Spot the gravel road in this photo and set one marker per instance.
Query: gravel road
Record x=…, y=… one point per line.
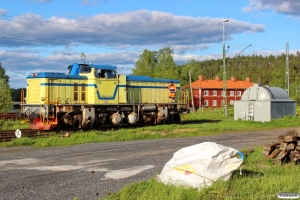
x=91, y=171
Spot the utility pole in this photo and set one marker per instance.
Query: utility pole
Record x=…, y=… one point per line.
x=287, y=70
x=192, y=96
x=224, y=72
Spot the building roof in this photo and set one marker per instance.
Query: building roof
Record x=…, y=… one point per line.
x=218, y=84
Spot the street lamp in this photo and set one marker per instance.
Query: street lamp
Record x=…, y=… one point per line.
x=224, y=71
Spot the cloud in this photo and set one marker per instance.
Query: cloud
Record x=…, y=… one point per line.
x=34, y=43
x=140, y=27
x=3, y=12
x=89, y=2
x=288, y=7
x=37, y=1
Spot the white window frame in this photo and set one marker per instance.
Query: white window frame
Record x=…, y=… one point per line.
x=206, y=93
x=239, y=93
x=231, y=93
x=222, y=102
x=214, y=93
x=231, y=102
x=214, y=103
x=206, y=103
x=222, y=93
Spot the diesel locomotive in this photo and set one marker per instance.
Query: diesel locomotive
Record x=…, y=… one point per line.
x=92, y=96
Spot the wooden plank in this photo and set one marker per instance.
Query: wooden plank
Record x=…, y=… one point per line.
x=296, y=132
x=281, y=155
x=265, y=152
x=290, y=147
x=295, y=153
x=289, y=138
x=274, y=153
x=283, y=146
x=271, y=146
x=294, y=158
x=281, y=138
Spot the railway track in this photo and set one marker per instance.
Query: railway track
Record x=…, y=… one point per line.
x=8, y=135
x=11, y=116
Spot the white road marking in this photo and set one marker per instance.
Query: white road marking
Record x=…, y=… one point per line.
x=90, y=166
x=24, y=161
x=125, y=173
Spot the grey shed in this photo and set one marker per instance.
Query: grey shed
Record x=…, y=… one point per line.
x=262, y=103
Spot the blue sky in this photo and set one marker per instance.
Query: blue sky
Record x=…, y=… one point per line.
x=49, y=35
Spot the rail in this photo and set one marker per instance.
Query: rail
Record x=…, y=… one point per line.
x=11, y=116
x=8, y=135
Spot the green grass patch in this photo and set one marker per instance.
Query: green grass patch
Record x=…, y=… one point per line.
x=13, y=125
x=226, y=125
x=260, y=179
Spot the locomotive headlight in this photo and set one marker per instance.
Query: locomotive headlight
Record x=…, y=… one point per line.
x=43, y=98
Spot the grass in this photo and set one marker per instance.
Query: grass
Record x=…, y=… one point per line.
x=227, y=125
x=260, y=179
x=13, y=125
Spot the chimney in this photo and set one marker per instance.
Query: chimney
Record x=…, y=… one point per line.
x=218, y=78
x=233, y=79
x=201, y=78
x=248, y=79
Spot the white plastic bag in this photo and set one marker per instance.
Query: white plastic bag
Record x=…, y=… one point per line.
x=200, y=165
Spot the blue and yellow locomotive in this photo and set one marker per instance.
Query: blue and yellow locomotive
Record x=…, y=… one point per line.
x=91, y=96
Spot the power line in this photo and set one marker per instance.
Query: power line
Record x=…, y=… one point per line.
x=61, y=43
x=84, y=27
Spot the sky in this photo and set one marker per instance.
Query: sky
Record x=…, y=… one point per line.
x=49, y=35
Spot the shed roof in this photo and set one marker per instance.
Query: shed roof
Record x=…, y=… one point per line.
x=264, y=93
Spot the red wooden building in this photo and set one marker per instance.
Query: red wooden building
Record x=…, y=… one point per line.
x=209, y=93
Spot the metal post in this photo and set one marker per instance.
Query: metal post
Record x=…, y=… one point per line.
x=224, y=82
x=192, y=92
x=224, y=72
x=287, y=70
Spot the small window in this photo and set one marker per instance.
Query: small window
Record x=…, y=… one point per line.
x=75, y=92
x=231, y=93
x=83, y=92
x=206, y=93
x=214, y=93
x=222, y=102
x=231, y=102
x=222, y=93
x=206, y=103
x=214, y=102
x=239, y=93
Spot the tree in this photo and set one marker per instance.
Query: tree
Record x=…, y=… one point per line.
x=166, y=67
x=157, y=64
x=145, y=66
x=5, y=92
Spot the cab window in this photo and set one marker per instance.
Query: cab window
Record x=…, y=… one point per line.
x=85, y=69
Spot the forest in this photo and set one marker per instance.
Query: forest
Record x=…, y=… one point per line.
x=266, y=70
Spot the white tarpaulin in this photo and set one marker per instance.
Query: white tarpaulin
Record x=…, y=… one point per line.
x=200, y=165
